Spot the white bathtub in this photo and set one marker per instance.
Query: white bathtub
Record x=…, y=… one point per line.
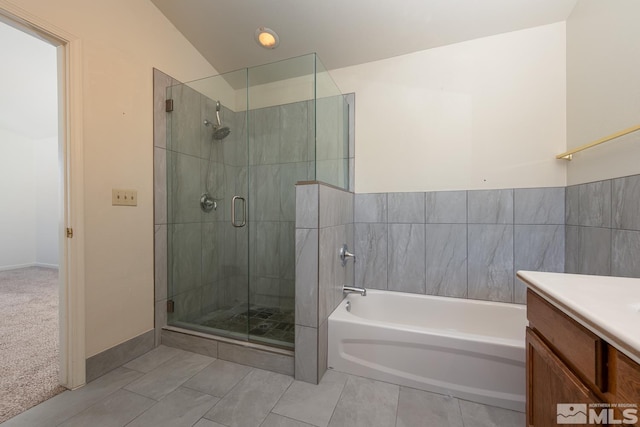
x=474, y=350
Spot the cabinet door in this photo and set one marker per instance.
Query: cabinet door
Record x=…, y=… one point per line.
x=549, y=383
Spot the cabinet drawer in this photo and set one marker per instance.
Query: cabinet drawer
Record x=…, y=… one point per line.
x=577, y=346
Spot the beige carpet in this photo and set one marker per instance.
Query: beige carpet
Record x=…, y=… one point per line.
x=28, y=339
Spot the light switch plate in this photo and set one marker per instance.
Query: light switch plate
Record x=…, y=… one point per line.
x=124, y=197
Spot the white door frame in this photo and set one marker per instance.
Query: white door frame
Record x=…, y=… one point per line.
x=72, y=303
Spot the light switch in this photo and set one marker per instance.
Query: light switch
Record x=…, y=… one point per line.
x=124, y=197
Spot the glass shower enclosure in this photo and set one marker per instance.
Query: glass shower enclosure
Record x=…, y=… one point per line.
x=237, y=143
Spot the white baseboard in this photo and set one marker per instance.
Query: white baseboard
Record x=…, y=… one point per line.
x=32, y=264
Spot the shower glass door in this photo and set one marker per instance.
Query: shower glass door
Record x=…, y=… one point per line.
x=207, y=181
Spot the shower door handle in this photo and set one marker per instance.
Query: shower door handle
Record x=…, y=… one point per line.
x=233, y=212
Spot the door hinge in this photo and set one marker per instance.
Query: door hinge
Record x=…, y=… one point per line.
x=168, y=105
x=170, y=306
x=69, y=233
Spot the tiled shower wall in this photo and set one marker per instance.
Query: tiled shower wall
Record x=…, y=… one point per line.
x=603, y=227
x=466, y=244
x=324, y=222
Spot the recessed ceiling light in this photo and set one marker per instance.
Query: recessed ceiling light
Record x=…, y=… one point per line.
x=267, y=38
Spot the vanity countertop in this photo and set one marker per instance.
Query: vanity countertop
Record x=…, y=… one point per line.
x=607, y=306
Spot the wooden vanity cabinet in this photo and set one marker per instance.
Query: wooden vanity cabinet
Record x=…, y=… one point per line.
x=567, y=363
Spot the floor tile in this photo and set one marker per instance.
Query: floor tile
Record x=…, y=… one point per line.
x=207, y=423
x=114, y=411
x=274, y=420
x=478, y=415
x=249, y=403
x=151, y=360
x=170, y=375
x=218, y=378
x=63, y=406
x=182, y=407
x=417, y=408
x=311, y=403
x=366, y=403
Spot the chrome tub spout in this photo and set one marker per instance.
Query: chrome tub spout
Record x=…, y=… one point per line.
x=352, y=289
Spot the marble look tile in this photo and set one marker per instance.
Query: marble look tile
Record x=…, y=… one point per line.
x=477, y=415
x=407, y=208
x=626, y=203
x=446, y=259
x=290, y=174
x=306, y=282
x=185, y=247
x=572, y=205
x=331, y=274
x=249, y=403
x=188, y=305
x=329, y=172
x=236, y=184
x=490, y=207
x=371, y=255
x=181, y=408
x=185, y=188
x=406, y=269
x=203, y=346
x=313, y=404
x=420, y=408
x=218, y=378
x=490, y=263
x=293, y=132
x=154, y=358
x=236, y=251
x=160, y=83
x=328, y=111
x=184, y=121
x=212, y=176
x=323, y=348
x=370, y=207
x=336, y=207
x=274, y=362
x=624, y=253
x=595, y=204
x=118, y=355
x=161, y=381
x=352, y=174
x=264, y=239
x=446, y=207
x=537, y=248
x=366, y=403
x=160, y=320
x=588, y=250
x=213, y=240
x=116, y=410
x=539, y=205
x=306, y=355
x=307, y=208
x=203, y=422
x=264, y=193
x=264, y=136
x=287, y=250
x=159, y=185
x=275, y=420
x=65, y=405
x=160, y=262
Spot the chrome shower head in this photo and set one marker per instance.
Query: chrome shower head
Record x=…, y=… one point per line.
x=219, y=132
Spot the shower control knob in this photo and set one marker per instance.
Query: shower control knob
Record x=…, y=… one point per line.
x=208, y=203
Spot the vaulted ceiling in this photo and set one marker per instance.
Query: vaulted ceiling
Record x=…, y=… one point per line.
x=347, y=32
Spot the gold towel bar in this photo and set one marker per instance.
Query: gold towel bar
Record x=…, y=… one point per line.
x=568, y=155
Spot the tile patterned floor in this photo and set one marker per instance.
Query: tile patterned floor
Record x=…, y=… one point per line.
x=174, y=388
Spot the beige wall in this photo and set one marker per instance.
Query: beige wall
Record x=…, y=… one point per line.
x=603, y=87
x=122, y=41
x=487, y=113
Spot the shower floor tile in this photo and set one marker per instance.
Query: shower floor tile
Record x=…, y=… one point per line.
x=272, y=323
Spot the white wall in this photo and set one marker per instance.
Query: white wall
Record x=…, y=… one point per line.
x=17, y=201
x=122, y=41
x=487, y=113
x=47, y=196
x=603, y=87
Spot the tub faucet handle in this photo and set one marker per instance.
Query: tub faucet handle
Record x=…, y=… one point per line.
x=344, y=255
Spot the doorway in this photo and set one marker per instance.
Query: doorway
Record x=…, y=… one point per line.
x=62, y=171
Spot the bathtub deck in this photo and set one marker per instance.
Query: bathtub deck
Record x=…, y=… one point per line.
x=213, y=393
